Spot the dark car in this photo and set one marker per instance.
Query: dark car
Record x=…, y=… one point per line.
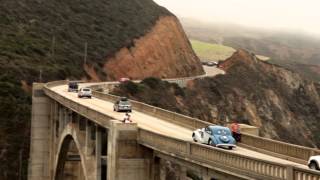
x=73, y=87
x=203, y=62
x=122, y=105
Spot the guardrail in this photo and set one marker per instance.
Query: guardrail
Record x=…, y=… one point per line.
x=289, y=151
x=228, y=160
x=172, y=117
x=96, y=116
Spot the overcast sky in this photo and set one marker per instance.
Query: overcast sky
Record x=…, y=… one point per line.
x=297, y=15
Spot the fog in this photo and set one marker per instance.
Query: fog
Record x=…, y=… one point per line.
x=301, y=16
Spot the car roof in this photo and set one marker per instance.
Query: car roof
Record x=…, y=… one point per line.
x=123, y=99
x=215, y=127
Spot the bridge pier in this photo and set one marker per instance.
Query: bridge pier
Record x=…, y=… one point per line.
x=40, y=125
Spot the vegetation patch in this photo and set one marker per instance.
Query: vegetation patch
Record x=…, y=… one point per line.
x=210, y=51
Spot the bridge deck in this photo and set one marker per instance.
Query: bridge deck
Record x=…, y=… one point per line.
x=156, y=125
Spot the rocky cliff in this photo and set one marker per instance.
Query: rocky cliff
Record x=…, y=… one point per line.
x=163, y=52
x=283, y=104
x=45, y=40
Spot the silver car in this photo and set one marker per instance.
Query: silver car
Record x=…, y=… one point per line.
x=85, y=92
x=122, y=105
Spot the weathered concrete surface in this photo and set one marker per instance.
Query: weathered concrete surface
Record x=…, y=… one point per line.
x=40, y=138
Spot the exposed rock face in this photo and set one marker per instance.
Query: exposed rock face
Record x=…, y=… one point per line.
x=283, y=104
x=163, y=52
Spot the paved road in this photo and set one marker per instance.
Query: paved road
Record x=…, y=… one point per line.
x=212, y=71
x=154, y=124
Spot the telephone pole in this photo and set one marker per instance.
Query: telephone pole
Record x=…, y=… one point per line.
x=53, y=44
x=85, y=52
x=40, y=75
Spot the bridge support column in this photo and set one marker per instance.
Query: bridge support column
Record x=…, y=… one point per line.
x=98, y=152
x=89, y=142
x=163, y=172
x=183, y=173
x=112, y=152
x=40, y=136
x=126, y=158
x=60, y=119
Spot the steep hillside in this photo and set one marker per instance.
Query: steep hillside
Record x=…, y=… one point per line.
x=292, y=50
x=283, y=104
x=45, y=40
x=163, y=52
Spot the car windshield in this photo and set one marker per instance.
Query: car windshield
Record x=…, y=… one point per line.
x=124, y=103
x=86, y=89
x=73, y=84
x=223, y=132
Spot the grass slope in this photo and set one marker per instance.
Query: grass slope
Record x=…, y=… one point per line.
x=209, y=51
x=214, y=52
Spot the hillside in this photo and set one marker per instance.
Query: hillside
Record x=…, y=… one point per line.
x=50, y=36
x=215, y=52
x=283, y=104
x=292, y=50
x=211, y=52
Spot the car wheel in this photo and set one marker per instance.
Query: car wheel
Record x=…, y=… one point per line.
x=89, y=97
x=313, y=165
x=194, y=137
x=230, y=147
x=130, y=110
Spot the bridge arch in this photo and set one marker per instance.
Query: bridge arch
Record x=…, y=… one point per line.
x=69, y=141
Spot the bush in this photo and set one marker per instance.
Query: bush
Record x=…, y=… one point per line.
x=152, y=82
x=130, y=87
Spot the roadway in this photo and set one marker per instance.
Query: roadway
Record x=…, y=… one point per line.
x=151, y=123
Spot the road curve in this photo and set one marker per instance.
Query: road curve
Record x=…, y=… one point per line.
x=151, y=123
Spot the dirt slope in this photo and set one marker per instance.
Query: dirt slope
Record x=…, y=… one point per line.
x=163, y=52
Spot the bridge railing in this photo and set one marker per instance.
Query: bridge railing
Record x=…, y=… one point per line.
x=96, y=116
x=172, y=117
x=228, y=160
x=288, y=151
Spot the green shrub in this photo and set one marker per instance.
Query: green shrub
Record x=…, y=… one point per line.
x=152, y=82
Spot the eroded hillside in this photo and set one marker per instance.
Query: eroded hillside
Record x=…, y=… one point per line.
x=45, y=40
x=163, y=52
x=283, y=104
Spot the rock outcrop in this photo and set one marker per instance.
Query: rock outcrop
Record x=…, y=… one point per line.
x=283, y=104
x=163, y=52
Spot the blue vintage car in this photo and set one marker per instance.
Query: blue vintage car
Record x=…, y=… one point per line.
x=218, y=136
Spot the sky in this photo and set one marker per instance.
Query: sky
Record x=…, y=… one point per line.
x=298, y=15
